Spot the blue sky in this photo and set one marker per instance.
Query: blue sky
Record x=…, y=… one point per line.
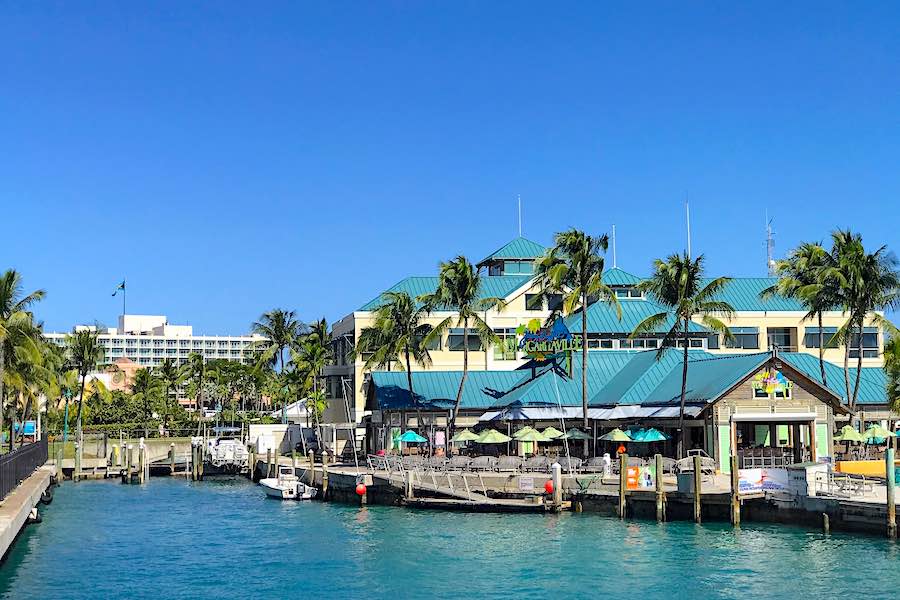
x=228, y=160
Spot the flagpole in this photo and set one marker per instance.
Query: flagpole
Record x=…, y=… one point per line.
x=123, y=301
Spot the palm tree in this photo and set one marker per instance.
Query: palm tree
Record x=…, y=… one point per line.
x=865, y=283
x=195, y=369
x=574, y=268
x=801, y=276
x=281, y=331
x=170, y=376
x=459, y=290
x=892, y=373
x=14, y=314
x=677, y=283
x=84, y=354
x=145, y=390
x=399, y=330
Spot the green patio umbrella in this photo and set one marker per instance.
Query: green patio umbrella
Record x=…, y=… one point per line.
x=877, y=432
x=411, y=437
x=524, y=431
x=466, y=435
x=532, y=436
x=552, y=432
x=575, y=434
x=849, y=434
x=616, y=435
x=492, y=436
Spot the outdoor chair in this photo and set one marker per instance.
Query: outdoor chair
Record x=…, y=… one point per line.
x=458, y=463
x=668, y=465
x=573, y=463
x=483, y=463
x=435, y=462
x=595, y=464
x=537, y=463
x=509, y=463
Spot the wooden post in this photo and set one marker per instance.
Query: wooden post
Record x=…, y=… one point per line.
x=812, y=442
x=826, y=524
x=142, y=457
x=556, y=477
x=172, y=458
x=735, y=492
x=312, y=467
x=59, y=465
x=660, y=490
x=324, y=475
x=410, y=492
x=251, y=464
x=268, y=461
x=294, y=462
x=891, y=502
x=193, y=462
x=698, y=486
x=128, y=458
x=201, y=456
x=76, y=474
x=623, y=477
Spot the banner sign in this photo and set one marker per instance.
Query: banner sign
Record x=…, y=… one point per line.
x=759, y=480
x=543, y=342
x=771, y=382
x=640, y=478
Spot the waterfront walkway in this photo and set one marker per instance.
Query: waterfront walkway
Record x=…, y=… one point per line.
x=17, y=506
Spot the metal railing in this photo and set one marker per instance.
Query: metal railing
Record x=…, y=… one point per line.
x=17, y=465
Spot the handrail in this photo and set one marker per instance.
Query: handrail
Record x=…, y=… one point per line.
x=17, y=465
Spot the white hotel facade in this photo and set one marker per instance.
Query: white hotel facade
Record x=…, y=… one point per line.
x=147, y=340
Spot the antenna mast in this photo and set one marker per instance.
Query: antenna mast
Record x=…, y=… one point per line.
x=519, y=196
x=614, y=245
x=770, y=246
x=687, y=211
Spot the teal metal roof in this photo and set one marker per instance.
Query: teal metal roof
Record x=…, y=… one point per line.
x=617, y=276
x=602, y=318
x=742, y=293
x=517, y=248
x=708, y=378
x=499, y=286
x=872, y=383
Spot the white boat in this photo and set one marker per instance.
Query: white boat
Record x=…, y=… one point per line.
x=287, y=486
x=226, y=455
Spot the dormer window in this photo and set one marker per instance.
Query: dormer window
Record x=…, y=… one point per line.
x=628, y=293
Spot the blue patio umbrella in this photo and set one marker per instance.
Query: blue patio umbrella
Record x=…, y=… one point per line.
x=648, y=435
x=411, y=437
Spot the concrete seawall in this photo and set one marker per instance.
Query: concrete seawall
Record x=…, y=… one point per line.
x=16, y=507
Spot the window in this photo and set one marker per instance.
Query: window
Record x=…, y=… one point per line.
x=455, y=340
x=534, y=302
x=518, y=267
x=554, y=302
x=811, y=337
x=434, y=344
x=779, y=337
x=781, y=395
x=628, y=293
x=744, y=337
x=869, y=341
x=505, y=349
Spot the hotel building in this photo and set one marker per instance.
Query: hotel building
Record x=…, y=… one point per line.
x=760, y=326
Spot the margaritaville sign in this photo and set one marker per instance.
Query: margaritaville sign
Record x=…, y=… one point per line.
x=543, y=342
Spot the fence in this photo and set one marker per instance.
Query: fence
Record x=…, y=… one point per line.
x=17, y=465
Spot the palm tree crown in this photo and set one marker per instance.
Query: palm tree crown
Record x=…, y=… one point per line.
x=84, y=354
x=459, y=290
x=574, y=268
x=677, y=283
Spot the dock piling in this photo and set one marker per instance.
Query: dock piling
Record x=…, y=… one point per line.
x=556, y=477
x=891, y=501
x=698, y=487
x=76, y=474
x=268, y=461
x=59, y=465
x=324, y=475
x=312, y=463
x=129, y=457
x=172, y=458
x=660, y=490
x=735, y=492
x=826, y=523
x=623, y=483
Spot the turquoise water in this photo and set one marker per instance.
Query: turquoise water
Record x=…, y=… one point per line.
x=225, y=539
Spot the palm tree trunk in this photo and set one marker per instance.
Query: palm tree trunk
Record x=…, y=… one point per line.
x=412, y=394
x=684, y=373
x=847, y=369
x=584, y=368
x=859, y=364
x=2, y=372
x=462, y=381
x=822, y=352
x=80, y=407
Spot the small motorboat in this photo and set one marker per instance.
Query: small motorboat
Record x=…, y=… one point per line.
x=287, y=486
